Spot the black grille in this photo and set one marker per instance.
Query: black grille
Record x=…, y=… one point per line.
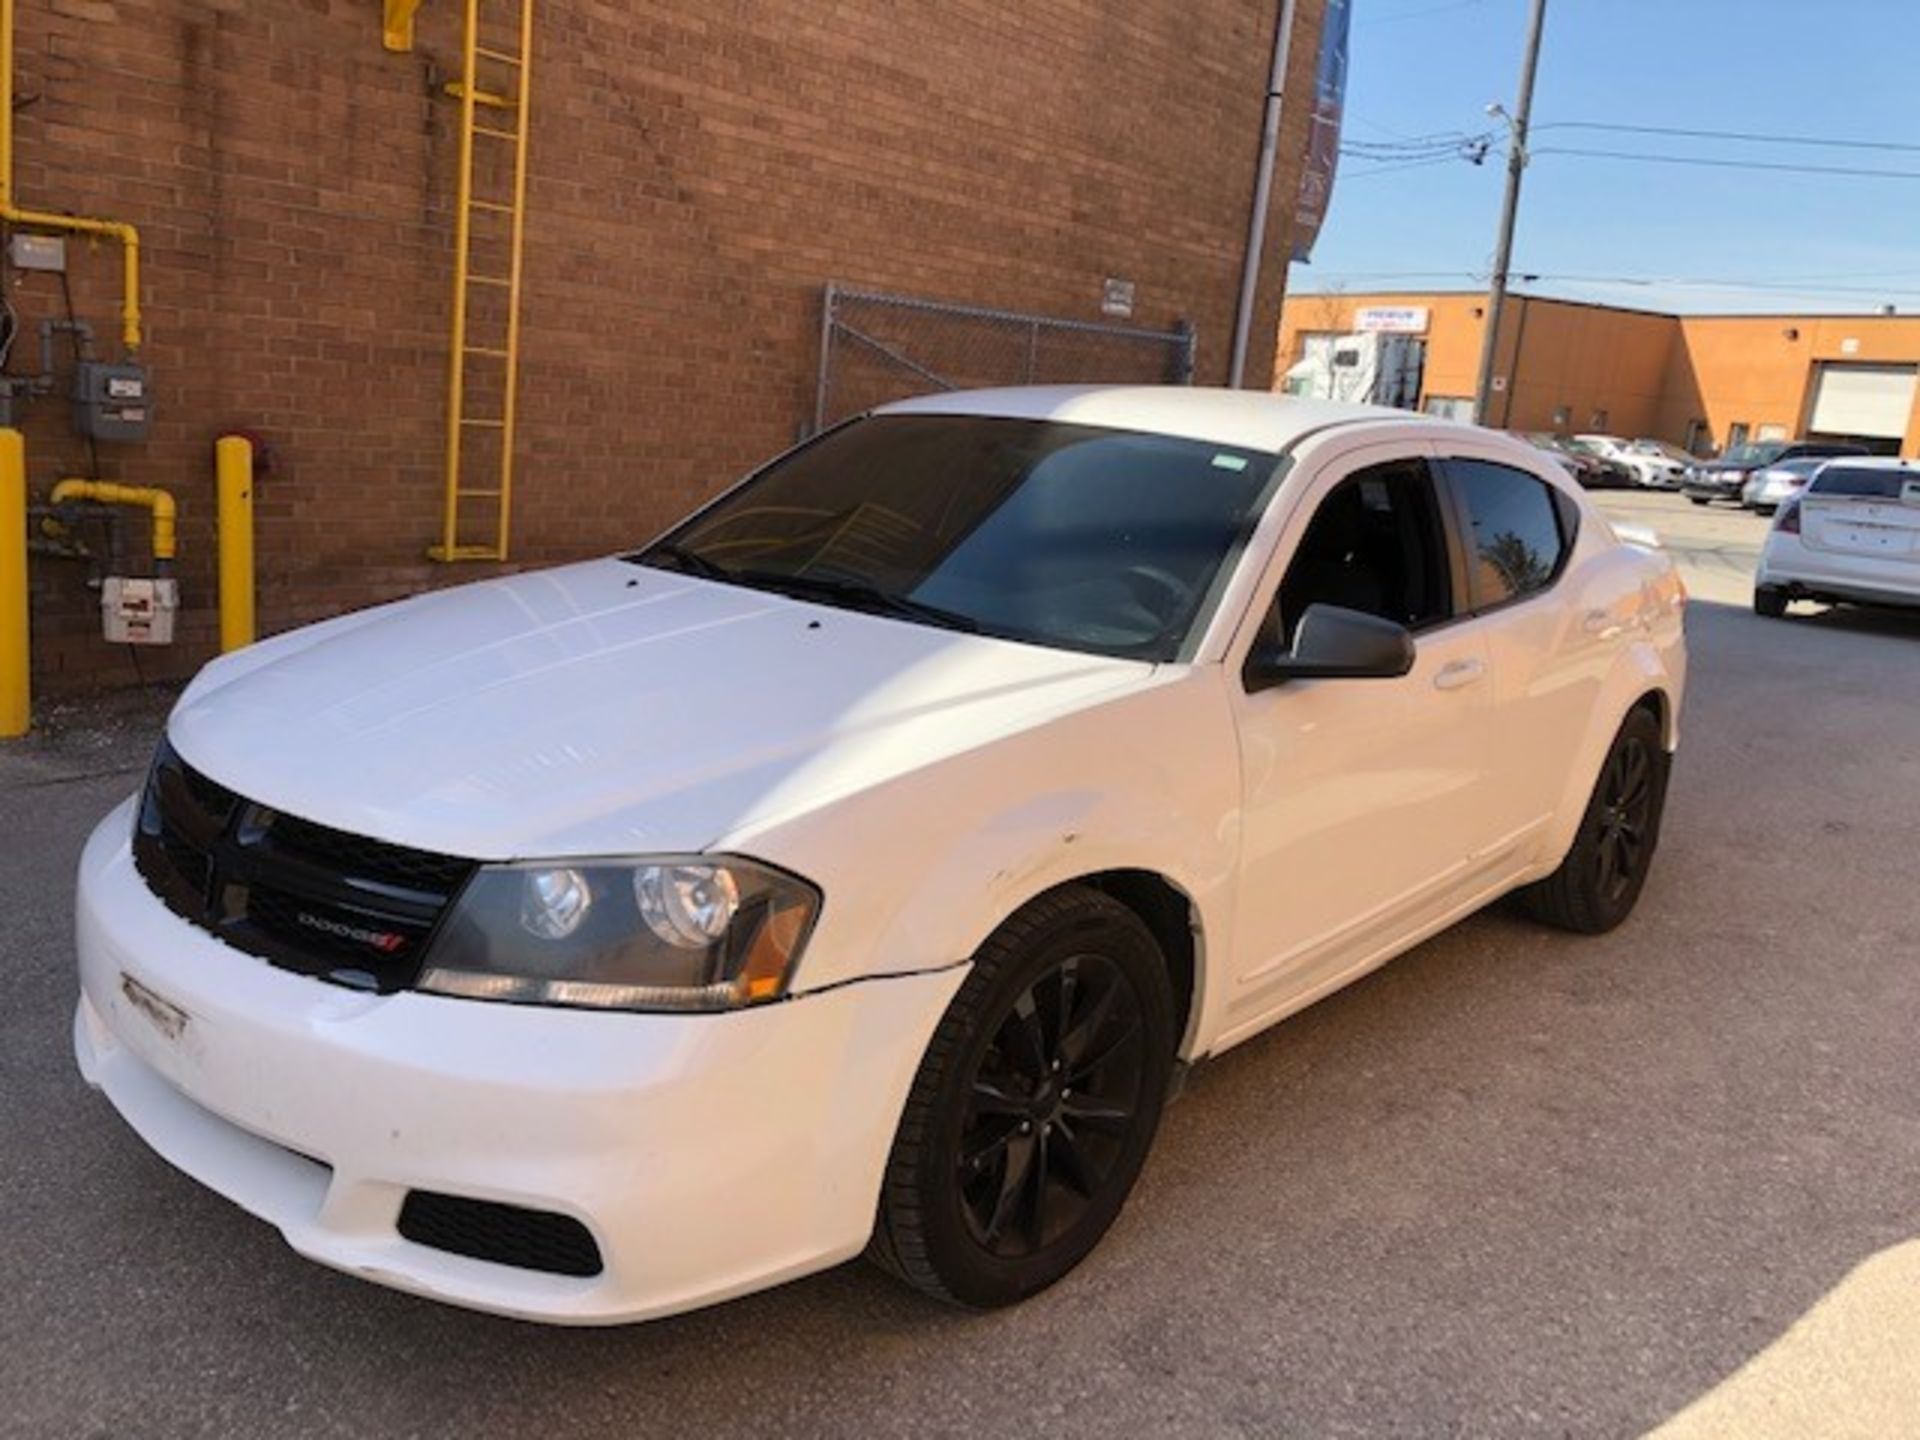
x=300, y=895
x=505, y=1234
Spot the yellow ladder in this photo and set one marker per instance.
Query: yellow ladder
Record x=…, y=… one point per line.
x=495, y=81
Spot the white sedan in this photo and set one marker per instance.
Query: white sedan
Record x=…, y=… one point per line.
x=853, y=868
x=1651, y=467
x=1852, y=536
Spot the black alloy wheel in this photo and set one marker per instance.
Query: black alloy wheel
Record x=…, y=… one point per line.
x=1599, y=881
x=1625, y=835
x=1050, y=1106
x=1034, y=1108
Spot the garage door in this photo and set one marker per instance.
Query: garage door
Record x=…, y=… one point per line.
x=1863, y=400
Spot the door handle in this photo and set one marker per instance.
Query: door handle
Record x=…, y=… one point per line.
x=1459, y=674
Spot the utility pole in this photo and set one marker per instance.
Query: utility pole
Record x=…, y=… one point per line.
x=1509, y=210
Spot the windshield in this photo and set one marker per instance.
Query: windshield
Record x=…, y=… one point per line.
x=1751, y=455
x=1064, y=535
x=1862, y=482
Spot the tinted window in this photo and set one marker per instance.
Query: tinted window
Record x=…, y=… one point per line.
x=1065, y=535
x=1375, y=545
x=1516, y=540
x=1765, y=453
x=1862, y=481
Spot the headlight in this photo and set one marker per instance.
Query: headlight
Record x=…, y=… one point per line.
x=692, y=933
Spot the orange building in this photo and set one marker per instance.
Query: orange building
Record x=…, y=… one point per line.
x=1701, y=381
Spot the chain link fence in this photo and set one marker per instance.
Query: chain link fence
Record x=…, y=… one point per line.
x=875, y=348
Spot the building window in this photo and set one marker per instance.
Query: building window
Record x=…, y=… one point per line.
x=1736, y=434
x=1699, y=438
x=1451, y=407
x=1599, y=421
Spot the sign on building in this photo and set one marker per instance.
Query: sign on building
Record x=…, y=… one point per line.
x=1392, y=319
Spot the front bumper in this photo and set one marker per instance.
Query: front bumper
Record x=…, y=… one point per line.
x=707, y=1155
x=1712, y=488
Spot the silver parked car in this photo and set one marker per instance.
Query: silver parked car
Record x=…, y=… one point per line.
x=1767, y=489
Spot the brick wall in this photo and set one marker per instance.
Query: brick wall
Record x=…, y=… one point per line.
x=700, y=168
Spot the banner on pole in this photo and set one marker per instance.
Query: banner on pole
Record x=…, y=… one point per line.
x=1323, y=130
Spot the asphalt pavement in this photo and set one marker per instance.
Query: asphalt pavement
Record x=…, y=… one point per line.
x=1516, y=1183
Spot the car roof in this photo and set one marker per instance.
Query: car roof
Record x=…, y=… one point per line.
x=1868, y=462
x=1250, y=419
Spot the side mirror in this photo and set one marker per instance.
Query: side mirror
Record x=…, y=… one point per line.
x=1332, y=643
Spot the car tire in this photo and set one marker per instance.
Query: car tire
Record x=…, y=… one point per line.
x=1003, y=1175
x=1600, y=880
x=1769, y=601
x=1699, y=499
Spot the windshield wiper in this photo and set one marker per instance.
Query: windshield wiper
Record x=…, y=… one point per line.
x=855, y=595
x=691, y=561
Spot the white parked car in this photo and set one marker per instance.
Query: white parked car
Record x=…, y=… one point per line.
x=1650, y=467
x=1852, y=536
x=853, y=868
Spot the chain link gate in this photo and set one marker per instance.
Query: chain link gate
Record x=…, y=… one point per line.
x=875, y=348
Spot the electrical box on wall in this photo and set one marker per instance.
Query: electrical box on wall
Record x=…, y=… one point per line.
x=110, y=401
x=138, y=612
x=38, y=252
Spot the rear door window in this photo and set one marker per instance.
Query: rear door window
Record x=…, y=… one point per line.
x=1517, y=534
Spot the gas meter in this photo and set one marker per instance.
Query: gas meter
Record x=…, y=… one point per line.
x=110, y=400
x=137, y=611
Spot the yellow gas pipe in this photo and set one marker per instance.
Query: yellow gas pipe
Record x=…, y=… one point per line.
x=128, y=237
x=16, y=691
x=151, y=497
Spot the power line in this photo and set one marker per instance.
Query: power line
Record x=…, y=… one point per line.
x=1742, y=136
x=1775, y=284
x=1397, y=148
x=1721, y=284
x=1394, y=169
x=1713, y=163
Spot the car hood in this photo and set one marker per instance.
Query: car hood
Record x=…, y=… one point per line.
x=606, y=708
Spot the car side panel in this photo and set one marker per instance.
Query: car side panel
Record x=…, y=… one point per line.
x=918, y=871
x=1642, y=652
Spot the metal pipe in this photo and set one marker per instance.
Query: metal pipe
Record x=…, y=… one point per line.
x=128, y=237
x=233, y=477
x=16, y=672
x=1509, y=214
x=1262, y=196
x=158, y=502
x=823, y=382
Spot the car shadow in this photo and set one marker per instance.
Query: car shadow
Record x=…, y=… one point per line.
x=1859, y=619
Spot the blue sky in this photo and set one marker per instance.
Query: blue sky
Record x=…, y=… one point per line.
x=1839, y=69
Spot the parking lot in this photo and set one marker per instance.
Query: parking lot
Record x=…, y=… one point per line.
x=1515, y=1183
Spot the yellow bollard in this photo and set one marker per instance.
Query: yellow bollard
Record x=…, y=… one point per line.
x=16, y=689
x=233, y=471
